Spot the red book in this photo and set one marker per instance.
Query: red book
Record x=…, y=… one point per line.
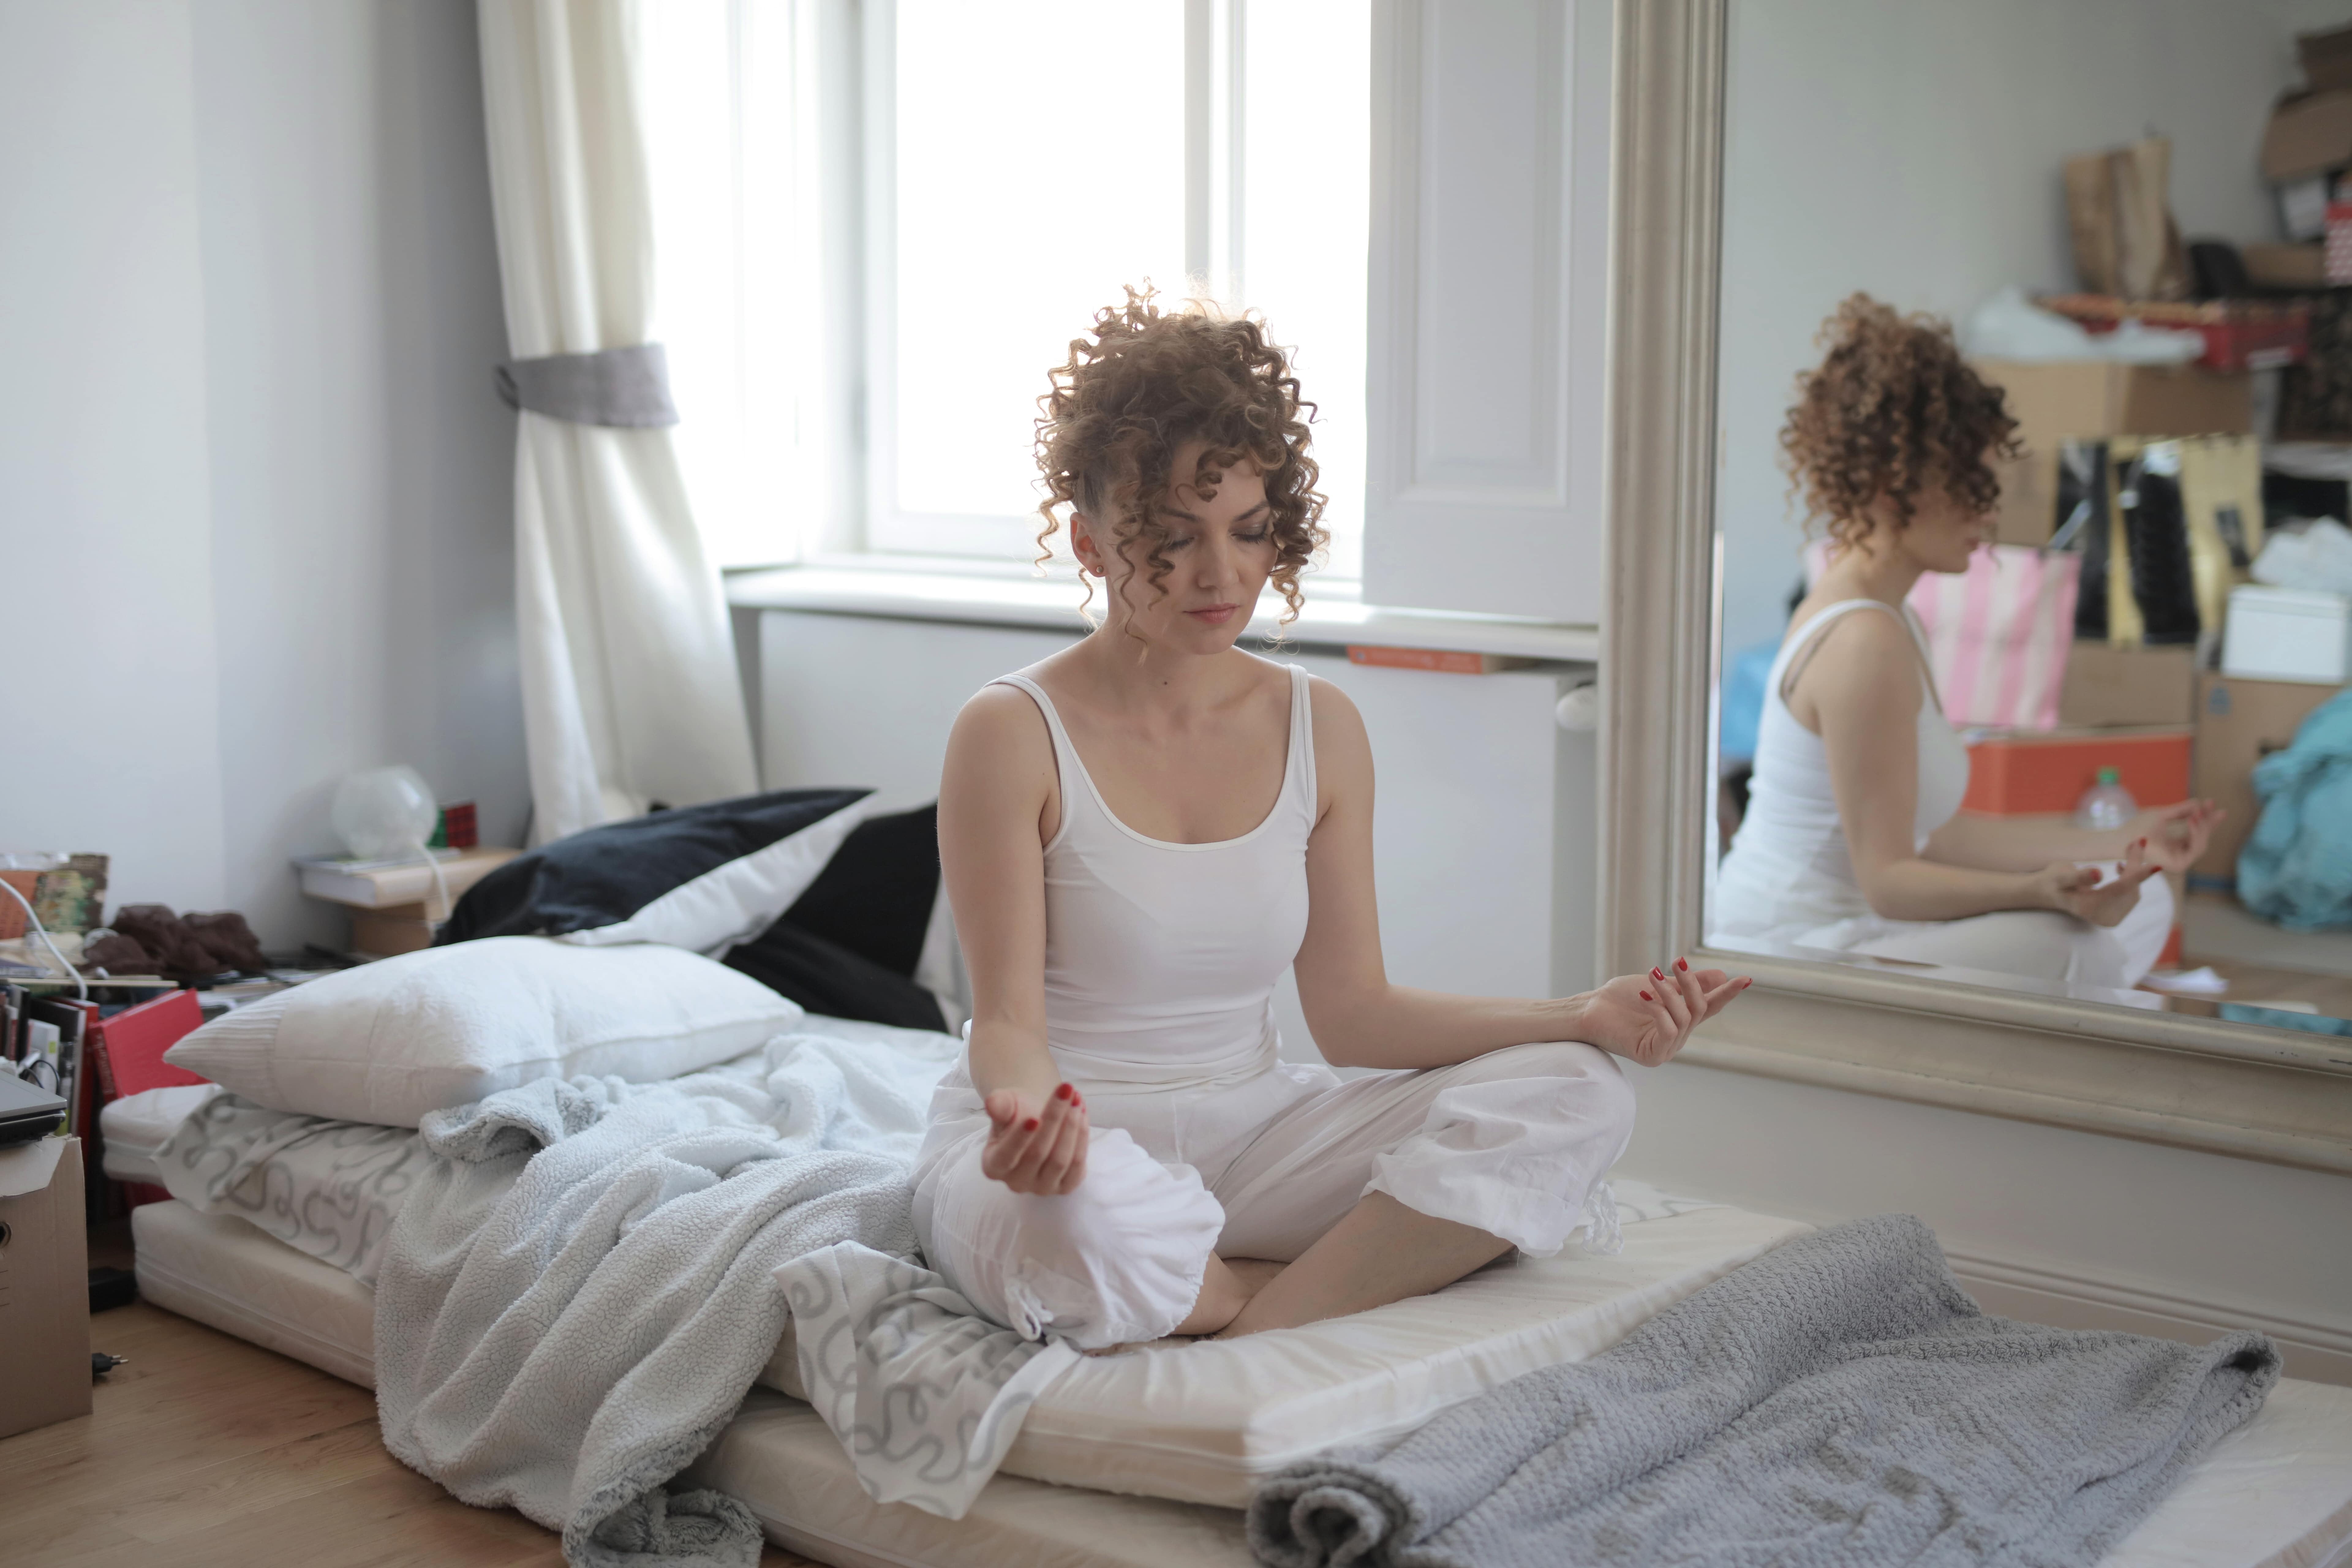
x=137, y=1037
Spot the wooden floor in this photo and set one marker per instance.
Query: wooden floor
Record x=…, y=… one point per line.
x=207, y=1452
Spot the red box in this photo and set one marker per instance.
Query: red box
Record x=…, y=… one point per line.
x=2240, y=335
x=2030, y=773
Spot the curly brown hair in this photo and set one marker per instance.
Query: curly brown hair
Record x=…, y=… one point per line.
x=1893, y=409
x=1145, y=384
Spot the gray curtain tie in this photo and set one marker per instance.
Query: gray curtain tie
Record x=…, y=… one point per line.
x=614, y=386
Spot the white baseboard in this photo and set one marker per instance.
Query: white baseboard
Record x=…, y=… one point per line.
x=2319, y=1353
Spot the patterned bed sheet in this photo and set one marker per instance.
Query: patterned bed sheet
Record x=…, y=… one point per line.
x=328, y=1188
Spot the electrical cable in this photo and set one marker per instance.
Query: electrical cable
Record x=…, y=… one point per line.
x=81, y=986
x=440, y=883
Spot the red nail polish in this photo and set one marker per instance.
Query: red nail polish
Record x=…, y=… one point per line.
x=1029, y=1125
x=1657, y=973
x=1062, y=1091
x=1682, y=964
x=1647, y=997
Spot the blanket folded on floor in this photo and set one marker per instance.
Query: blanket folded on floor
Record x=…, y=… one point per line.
x=582, y=1288
x=1839, y=1401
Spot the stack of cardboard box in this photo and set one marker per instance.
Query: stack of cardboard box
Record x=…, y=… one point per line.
x=2146, y=711
x=2240, y=722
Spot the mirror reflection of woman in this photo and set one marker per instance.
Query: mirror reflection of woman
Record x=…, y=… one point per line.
x=1140, y=835
x=1853, y=838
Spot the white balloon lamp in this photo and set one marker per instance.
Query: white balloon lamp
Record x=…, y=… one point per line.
x=383, y=812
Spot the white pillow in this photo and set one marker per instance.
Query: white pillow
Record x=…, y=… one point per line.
x=389, y=1041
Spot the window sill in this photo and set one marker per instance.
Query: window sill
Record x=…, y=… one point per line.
x=1335, y=614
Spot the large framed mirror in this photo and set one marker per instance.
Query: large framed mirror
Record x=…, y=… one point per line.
x=1947, y=902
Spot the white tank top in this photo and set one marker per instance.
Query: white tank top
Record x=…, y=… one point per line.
x=1788, y=869
x=1161, y=959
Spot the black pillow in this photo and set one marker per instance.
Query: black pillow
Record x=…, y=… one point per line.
x=828, y=977
x=802, y=890
x=699, y=877
x=851, y=944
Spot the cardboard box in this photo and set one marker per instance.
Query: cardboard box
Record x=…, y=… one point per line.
x=2326, y=58
x=2287, y=634
x=2286, y=265
x=2123, y=685
x=2061, y=398
x=2309, y=133
x=44, y=1286
x=403, y=928
x=2024, y=772
x=2240, y=722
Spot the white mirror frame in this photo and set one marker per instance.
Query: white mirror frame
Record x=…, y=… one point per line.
x=2260, y=1094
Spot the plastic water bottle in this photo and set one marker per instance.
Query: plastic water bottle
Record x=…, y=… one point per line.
x=2106, y=805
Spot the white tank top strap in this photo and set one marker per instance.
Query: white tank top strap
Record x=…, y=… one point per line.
x=1297, y=797
x=1067, y=766
x=1811, y=632
x=1298, y=786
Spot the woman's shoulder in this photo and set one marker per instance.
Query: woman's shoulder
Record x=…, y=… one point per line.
x=1001, y=718
x=1864, y=656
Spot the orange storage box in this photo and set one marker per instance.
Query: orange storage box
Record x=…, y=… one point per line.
x=2024, y=772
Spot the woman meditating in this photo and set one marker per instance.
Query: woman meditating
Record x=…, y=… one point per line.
x=1139, y=834
x=1853, y=838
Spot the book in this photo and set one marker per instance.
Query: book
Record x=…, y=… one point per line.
x=381, y=884
x=137, y=1037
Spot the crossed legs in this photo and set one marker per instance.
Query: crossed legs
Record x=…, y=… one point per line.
x=1364, y=1194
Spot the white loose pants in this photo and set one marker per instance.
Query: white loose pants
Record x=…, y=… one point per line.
x=2039, y=944
x=1512, y=1143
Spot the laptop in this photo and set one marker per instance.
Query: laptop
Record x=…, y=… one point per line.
x=25, y=1112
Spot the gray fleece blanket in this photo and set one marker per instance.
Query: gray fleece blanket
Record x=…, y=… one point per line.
x=582, y=1286
x=1839, y=1401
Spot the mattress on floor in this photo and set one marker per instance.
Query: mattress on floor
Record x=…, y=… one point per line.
x=2276, y=1493
x=219, y=1269
x=134, y=1127
x=1191, y=1422
x=1201, y=1422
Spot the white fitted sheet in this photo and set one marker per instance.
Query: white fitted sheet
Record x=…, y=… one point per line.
x=1201, y=1422
x=2276, y=1493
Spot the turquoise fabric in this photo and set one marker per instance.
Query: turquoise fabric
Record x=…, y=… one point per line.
x=1743, y=699
x=2297, y=868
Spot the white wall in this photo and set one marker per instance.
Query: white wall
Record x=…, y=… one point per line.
x=1912, y=148
x=113, y=740
x=259, y=483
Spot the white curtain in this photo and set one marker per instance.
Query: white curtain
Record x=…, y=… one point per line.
x=631, y=694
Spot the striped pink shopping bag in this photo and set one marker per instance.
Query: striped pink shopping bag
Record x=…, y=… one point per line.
x=1997, y=634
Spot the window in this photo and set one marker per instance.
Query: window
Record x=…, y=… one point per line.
x=878, y=225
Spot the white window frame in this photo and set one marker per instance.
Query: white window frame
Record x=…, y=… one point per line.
x=1212, y=238
x=1425, y=543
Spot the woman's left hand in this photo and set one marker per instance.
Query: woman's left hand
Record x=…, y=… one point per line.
x=1648, y=1017
x=2176, y=835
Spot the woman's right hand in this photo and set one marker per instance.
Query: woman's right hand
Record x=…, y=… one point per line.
x=1034, y=1147
x=2088, y=894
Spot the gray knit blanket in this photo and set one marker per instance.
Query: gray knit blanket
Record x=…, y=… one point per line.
x=1839, y=1401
